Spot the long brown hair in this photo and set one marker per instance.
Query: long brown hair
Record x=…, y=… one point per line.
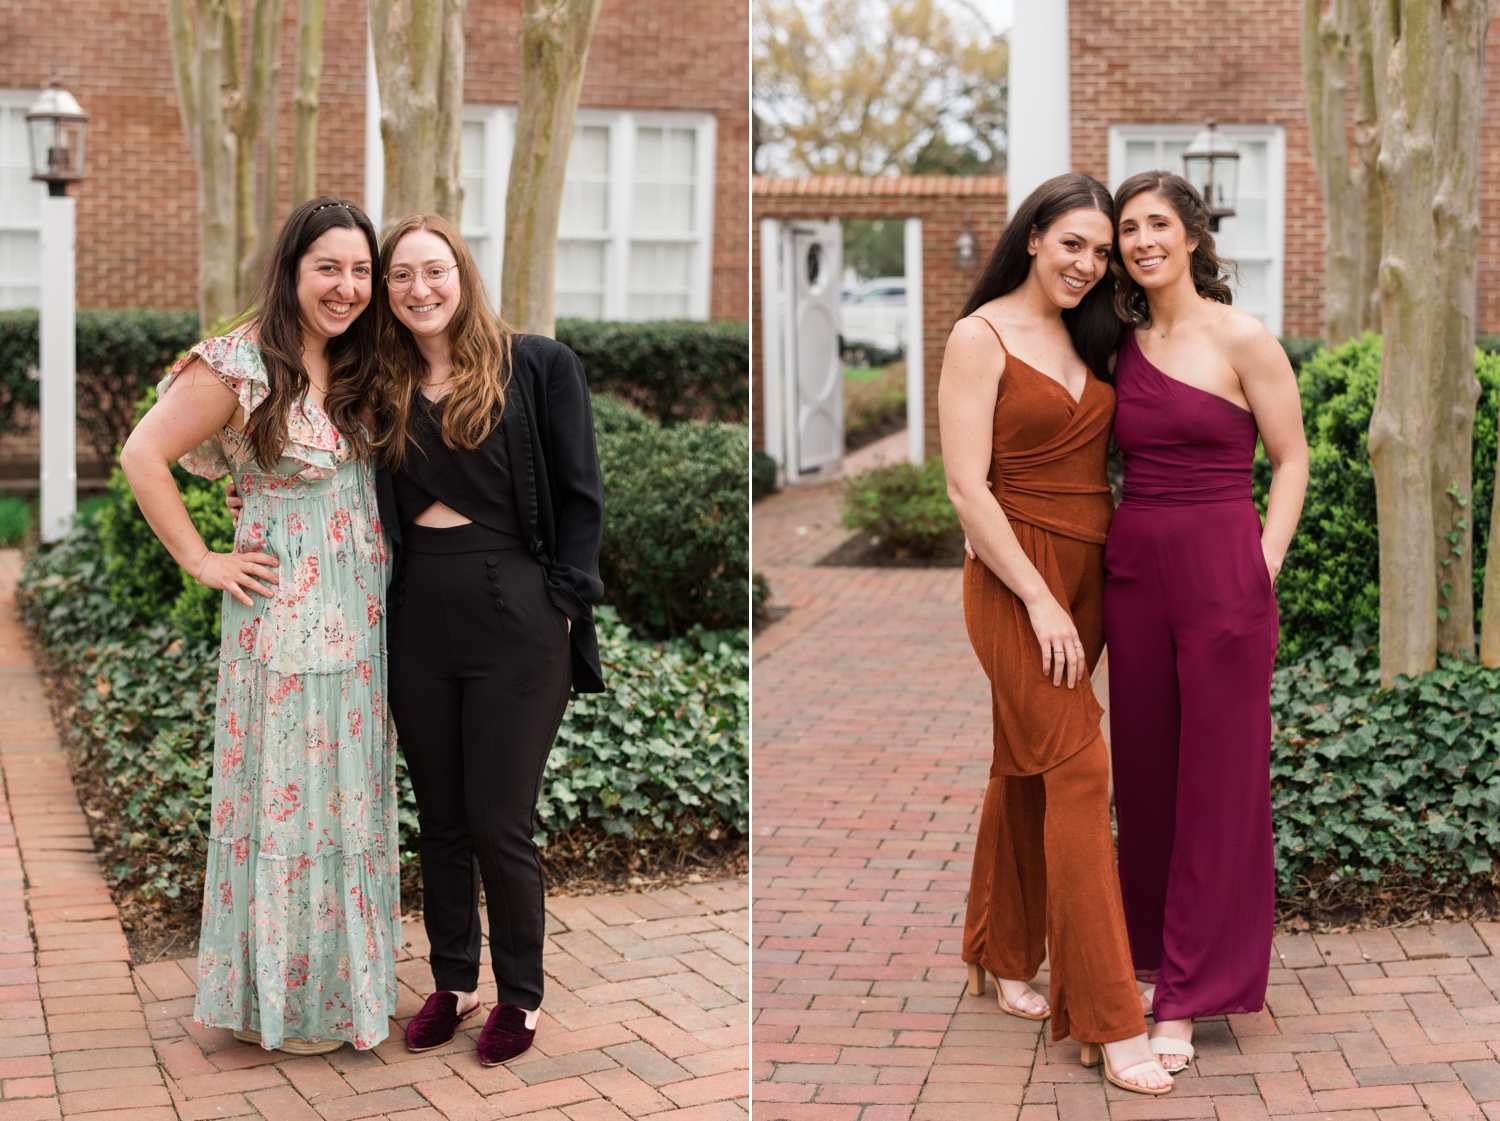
x=1091, y=324
x=1210, y=271
x=478, y=342
x=276, y=326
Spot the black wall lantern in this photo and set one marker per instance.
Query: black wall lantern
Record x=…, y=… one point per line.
x=1212, y=164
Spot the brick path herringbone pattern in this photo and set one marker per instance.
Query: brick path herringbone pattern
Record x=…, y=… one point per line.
x=871, y=753
x=645, y=1011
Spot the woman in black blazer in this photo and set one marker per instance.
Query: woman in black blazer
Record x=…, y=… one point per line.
x=492, y=497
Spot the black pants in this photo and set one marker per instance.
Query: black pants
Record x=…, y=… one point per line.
x=479, y=678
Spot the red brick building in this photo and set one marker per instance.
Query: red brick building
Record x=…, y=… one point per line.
x=1142, y=79
x=655, y=223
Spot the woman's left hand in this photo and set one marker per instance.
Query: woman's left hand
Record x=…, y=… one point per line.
x=1273, y=564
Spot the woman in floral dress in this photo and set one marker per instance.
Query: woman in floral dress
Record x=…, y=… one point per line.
x=301, y=896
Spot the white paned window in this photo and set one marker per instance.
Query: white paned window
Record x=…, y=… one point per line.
x=20, y=207
x=1254, y=237
x=635, y=227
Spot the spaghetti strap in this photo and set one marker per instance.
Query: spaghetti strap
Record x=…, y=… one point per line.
x=994, y=329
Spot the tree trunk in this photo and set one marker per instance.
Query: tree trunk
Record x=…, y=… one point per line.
x=1366, y=173
x=408, y=38
x=448, y=185
x=1325, y=68
x=309, y=79
x=269, y=159
x=1455, y=216
x=222, y=107
x=555, y=38
x=1407, y=42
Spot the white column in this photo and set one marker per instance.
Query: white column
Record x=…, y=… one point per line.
x=916, y=376
x=771, y=312
x=1041, y=144
x=58, y=370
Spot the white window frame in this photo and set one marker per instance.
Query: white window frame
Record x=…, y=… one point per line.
x=9, y=223
x=499, y=140
x=1275, y=137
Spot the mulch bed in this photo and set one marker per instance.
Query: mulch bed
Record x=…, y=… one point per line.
x=866, y=551
x=859, y=437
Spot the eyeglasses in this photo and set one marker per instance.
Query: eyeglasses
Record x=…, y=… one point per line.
x=433, y=276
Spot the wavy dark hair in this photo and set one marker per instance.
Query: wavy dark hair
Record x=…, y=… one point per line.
x=276, y=325
x=1091, y=324
x=1210, y=271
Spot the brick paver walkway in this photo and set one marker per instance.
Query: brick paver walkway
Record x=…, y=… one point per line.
x=871, y=753
x=645, y=1012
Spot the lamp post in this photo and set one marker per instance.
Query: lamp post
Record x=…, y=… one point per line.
x=57, y=125
x=1212, y=164
x=966, y=248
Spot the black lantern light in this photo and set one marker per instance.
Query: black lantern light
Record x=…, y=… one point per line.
x=1212, y=164
x=965, y=249
x=57, y=125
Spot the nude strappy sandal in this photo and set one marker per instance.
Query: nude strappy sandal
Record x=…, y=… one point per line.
x=976, y=988
x=1092, y=1055
x=1163, y=1045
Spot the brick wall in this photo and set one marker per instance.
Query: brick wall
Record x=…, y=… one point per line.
x=941, y=202
x=1243, y=62
x=137, y=211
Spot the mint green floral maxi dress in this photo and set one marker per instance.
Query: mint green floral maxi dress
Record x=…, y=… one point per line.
x=301, y=907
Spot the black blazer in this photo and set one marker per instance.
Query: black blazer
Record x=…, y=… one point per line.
x=559, y=491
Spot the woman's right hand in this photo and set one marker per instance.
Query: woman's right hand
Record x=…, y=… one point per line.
x=1062, y=649
x=235, y=572
x=232, y=499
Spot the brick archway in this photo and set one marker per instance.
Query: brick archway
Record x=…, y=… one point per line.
x=941, y=202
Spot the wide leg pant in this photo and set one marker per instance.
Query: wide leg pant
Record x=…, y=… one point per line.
x=1191, y=621
x=479, y=680
x=1044, y=877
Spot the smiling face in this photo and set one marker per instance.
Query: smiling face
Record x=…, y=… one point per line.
x=1071, y=256
x=1154, y=242
x=334, y=280
x=426, y=308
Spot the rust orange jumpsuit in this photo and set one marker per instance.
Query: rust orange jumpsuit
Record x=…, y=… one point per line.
x=1044, y=866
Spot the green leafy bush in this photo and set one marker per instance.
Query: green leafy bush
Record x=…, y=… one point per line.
x=902, y=503
x=873, y=398
x=1299, y=348
x=762, y=476
x=1329, y=586
x=1366, y=779
x=674, y=369
x=121, y=352
x=677, y=525
x=611, y=415
x=15, y=520
x=663, y=753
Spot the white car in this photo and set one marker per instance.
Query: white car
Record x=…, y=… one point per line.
x=874, y=322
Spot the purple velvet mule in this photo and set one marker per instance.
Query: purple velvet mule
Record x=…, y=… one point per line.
x=505, y=1035
x=437, y=1023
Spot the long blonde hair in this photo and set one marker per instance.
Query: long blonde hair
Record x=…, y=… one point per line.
x=479, y=343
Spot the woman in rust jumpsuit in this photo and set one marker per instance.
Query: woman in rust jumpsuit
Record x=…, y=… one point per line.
x=1025, y=431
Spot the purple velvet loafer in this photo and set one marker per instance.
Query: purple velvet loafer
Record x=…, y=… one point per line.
x=505, y=1035
x=437, y=1023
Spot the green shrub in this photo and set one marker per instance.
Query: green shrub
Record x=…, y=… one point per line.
x=663, y=753
x=762, y=476
x=121, y=352
x=15, y=520
x=1329, y=586
x=677, y=526
x=873, y=397
x=1299, y=348
x=613, y=415
x=1366, y=779
x=674, y=369
x=902, y=503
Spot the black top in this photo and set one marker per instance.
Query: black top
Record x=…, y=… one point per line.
x=556, y=483
x=475, y=483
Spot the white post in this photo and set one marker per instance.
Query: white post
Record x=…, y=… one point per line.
x=916, y=375
x=771, y=369
x=58, y=370
x=1040, y=136
x=374, y=145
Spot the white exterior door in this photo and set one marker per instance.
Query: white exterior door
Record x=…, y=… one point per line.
x=815, y=262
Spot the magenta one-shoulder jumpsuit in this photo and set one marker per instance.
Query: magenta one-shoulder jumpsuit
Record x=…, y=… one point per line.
x=1190, y=622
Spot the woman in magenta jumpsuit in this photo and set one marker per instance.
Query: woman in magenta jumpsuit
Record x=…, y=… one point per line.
x=1190, y=613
